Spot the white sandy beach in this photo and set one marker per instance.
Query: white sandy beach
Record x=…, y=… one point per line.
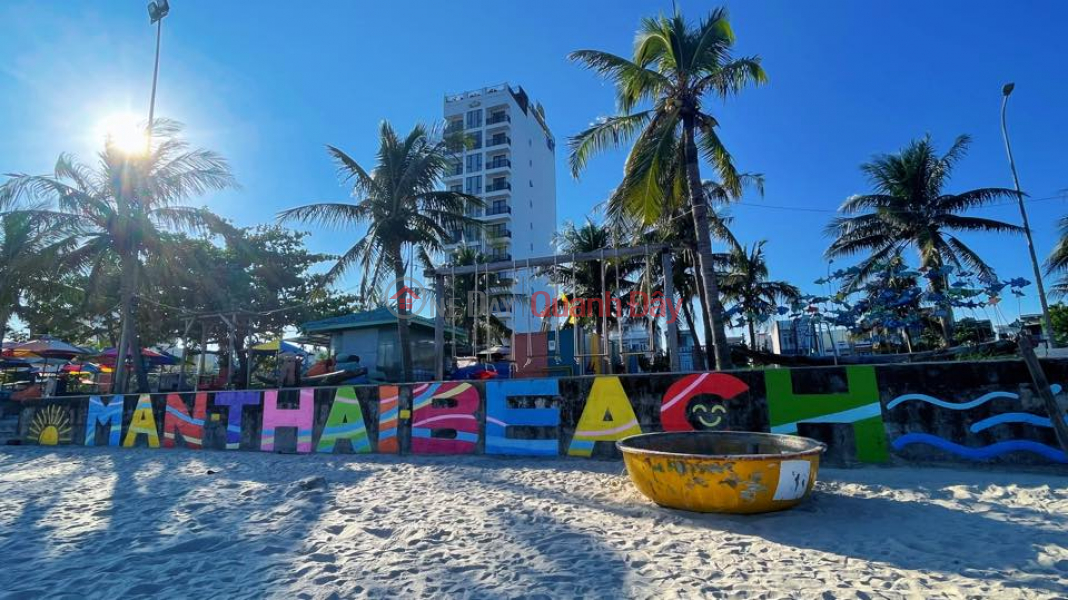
x=85, y=522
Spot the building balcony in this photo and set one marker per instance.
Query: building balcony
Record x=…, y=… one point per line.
x=498, y=187
x=499, y=257
x=500, y=163
x=498, y=118
x=493, y=211
x=498, y=233
x=498, y=140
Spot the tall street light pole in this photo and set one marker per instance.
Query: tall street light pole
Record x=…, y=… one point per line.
x=156, y=11
x=1047, y=324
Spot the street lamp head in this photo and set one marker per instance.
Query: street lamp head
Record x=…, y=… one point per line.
x=158, y=9
x=1007, y=89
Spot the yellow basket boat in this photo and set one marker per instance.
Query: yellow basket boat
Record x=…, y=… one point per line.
x=722, y=471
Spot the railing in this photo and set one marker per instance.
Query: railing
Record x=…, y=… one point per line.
x=457, y=170
x=498, y=119
x=498, y=140
x=499, y=233
x=498, y=210
x=498, y=187
x=499, y=257
x=498, y=163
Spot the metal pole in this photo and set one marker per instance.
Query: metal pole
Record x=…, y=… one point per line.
x=1047, y=324
x=439, y=328
x=155, y=77
x=672, y=325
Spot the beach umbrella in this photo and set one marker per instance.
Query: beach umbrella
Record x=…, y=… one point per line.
x=47, y=347
x=276, y=346
x=153, y=358
x=7, y=362
x=81, y=368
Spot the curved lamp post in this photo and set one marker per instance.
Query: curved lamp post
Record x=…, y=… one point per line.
x=1047, y=324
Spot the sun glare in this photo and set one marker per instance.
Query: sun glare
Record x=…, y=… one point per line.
x=124, y=132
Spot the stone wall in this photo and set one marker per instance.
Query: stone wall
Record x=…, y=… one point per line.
x=984, y=411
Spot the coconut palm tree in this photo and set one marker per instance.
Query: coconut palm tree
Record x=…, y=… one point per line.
x=122, y=208
x=28, y=250
x=402, y=210
x=461, y=315
x=675, y=67
x=909, y=207
x=676, y=229
x=592, y=278
x=746, y=284
x=1057, y=263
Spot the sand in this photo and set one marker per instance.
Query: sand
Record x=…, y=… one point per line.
x=93, y=522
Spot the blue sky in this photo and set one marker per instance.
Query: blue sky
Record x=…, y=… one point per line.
x=269, y=85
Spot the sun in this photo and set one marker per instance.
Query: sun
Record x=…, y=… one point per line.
x=50, y=426
x=125, y=132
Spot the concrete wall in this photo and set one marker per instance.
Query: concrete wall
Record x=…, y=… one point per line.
x=928, y=412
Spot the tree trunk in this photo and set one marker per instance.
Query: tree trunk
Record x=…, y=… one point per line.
x=403, y=332
x=702, y=301
x=752, y=332
x=697, y=355
x=131, y=273
x=707, y=278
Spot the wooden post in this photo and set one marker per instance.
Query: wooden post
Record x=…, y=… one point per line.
x=1038, y=376
x=672, y=325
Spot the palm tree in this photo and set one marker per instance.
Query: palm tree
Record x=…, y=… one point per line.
x=910, y=207
x=592, y=278
x=122, y=209
x=28, y=250
x=402, y=210
x=673, y=228
x=460, y=314
x=746, y=284
x=1057, y=263
x=674, y=68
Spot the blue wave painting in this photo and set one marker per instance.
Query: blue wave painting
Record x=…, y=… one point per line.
x=1004, y=418
x=951, y=405
x=981, y=452
x=1055, y=388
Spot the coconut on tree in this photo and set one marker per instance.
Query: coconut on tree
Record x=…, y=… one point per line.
x=661, y=92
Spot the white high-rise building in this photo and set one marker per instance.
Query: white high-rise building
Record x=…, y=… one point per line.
x=509, y=160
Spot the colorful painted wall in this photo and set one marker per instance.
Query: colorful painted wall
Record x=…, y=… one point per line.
x=925, y=412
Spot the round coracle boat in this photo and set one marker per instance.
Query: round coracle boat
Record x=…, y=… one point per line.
x=722, y=471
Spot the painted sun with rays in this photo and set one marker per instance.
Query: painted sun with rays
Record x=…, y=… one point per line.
x=50, y=426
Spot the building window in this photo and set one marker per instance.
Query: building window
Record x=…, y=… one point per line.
x=530, y=182
x=532, y=246
x=474, y=118
x=456, y=188
x=474, y=185
x=474, y=140
x=474, y=163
